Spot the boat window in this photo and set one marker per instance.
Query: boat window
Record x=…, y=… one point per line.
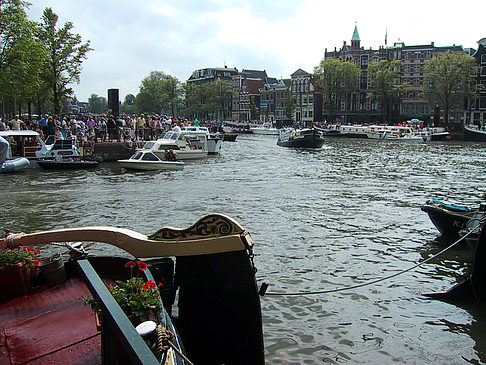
x=50, y=140
x=63, y=144
x=165, y=147
x=136, y=156
x=150, y=157
x=148, y=145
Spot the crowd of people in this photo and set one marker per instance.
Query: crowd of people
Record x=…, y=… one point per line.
x=88, y=129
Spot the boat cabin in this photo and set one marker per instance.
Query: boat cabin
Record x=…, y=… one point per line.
x=28, y=144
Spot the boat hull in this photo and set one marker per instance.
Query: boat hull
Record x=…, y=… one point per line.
x=14, y=165
x=151, y=165
x=67, y=165
x=304, y=140
x=447, y=222
x=476, y=135
x=265, y=131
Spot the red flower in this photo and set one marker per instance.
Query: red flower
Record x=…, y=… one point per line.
x=150, y=284
x=142, y=265
x=36, y=262
x=145, y=287
x=30, y=249
x=160, y=284
x=130, y=264
x=37, y=252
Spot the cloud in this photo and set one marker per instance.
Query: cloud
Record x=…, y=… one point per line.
x=133, y=38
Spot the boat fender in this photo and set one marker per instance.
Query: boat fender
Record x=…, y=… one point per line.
x=263, y=288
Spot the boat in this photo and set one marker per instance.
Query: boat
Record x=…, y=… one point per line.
x=186, y=146
x=401, y=133
x=438, y=134
x=354, y=131
x=147, y=160
x=229, y=137
x=208, y=266
x=214, y=140
x=474, y=133
x=67, y=164
x=14, y=165
x=471, y=288
x=449, y=219
x=266, y=129
x=28, y=144
x=300, y=138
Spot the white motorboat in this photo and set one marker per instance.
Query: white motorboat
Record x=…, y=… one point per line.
x=28, y=144
x=266, y=129
x=402, y=133
x=186, y=146
x=147, y=160
x=215, y=140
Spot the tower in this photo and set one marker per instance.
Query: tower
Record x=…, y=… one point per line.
x=355, y=41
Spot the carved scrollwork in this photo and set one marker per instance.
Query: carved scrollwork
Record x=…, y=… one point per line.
x=212, y=225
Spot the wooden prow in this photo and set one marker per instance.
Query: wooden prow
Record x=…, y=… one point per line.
x=211, y=234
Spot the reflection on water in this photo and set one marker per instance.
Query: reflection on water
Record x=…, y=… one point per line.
x=330, y=218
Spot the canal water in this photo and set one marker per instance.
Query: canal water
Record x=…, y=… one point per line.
x=324, y=219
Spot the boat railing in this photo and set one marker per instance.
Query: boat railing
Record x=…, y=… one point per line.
x=118, y=334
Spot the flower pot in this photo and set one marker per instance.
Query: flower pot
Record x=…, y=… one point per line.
x=52, y=271
x=14, y=280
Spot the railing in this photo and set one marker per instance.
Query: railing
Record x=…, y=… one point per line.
x=118, y=332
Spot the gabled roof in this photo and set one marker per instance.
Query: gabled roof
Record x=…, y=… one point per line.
x=300, y=72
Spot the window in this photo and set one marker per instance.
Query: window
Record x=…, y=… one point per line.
x=483, y=58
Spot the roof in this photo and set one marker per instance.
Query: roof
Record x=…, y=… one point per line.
x=255, y=74
x=355, y=34
x=25, y=133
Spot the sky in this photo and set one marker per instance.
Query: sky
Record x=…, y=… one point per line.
x=131, y=38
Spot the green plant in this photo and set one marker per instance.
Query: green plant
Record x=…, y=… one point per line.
x=134, y=296
x=21, y=254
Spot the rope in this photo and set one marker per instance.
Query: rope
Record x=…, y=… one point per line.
x=164, y=342
x=377, y=280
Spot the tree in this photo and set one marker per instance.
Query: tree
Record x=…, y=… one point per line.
x=128, y=105
x=64, y=56
x=97, y=104
x=159, y=92
x=385, y=77
x=337, y=79
x=290, y=105
x=20, y=54
x=210, y=100
x=449, y=78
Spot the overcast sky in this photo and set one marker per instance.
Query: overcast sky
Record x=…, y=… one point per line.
x=131, y=38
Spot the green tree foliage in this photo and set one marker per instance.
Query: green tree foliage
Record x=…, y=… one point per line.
x=128, y=105
x=65, y=54
x=290, y=104
x=385, y=77
x=159, y=93
x=97, y=104
x=337, y=79
x=211, y=100
x=449, y=78
x=20, y=54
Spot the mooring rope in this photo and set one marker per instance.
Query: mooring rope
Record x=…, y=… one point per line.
x=376, y=280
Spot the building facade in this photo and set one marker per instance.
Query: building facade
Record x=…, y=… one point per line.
x=476, y=111
x=359, y=108
x=410, y=104
x=308, y=97
x=205, y=75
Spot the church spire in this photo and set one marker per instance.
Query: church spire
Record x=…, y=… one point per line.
x=355, y=41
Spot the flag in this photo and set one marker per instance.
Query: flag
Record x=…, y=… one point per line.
x=386, y=35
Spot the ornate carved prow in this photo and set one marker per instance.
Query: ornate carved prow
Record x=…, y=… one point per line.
x=213, y=233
